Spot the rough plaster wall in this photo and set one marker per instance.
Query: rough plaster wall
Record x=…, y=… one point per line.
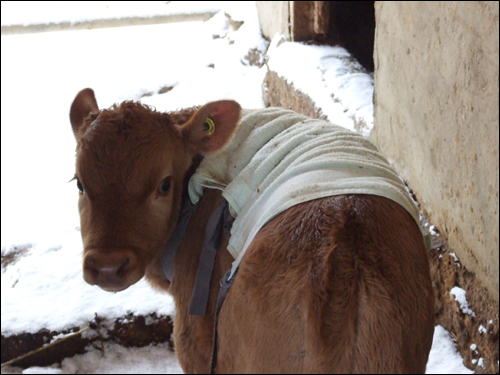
x=274, y=17
x=436, y=117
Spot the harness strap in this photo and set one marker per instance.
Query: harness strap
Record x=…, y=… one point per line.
x=167, y=262
x=225, y=285
x=220, y=218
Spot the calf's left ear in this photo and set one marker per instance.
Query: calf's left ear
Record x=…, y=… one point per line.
x=211, y=127
x=83, y=104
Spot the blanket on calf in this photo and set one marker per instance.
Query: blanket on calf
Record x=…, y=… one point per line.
x=279, y=158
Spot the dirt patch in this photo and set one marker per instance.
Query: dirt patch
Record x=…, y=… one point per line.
x=163, y=90
x=129, y=331
x=13, y=254
x=474, y=332
x=254, y=57
x=476, y=336
x=234, y=25
x=278, y=93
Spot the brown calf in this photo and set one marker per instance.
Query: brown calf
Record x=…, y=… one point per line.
x=334, y=285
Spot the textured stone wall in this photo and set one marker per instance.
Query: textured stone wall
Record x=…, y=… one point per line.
x=436, y=118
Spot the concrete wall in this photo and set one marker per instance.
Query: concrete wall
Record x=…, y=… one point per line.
x=436, y=117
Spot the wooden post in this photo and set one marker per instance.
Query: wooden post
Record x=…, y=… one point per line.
x=302, y=20
x=321, y=17
x=309, y=20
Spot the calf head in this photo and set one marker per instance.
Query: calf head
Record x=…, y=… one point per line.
x=131, y=165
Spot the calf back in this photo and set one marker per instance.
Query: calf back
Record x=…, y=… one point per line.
x=335, y=285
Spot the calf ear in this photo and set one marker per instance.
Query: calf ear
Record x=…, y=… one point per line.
x=211, y=127
x=83, y=104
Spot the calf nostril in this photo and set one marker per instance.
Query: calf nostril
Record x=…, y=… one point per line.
x=90, y=266
x=124, y=268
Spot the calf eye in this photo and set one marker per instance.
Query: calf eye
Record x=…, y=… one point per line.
x=164, y=186
x=79, y=185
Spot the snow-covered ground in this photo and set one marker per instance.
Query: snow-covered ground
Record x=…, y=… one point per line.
x=41, y=74
x=443, y=359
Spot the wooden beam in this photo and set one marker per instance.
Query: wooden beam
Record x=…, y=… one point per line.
x=321, y=17
x=302, y=20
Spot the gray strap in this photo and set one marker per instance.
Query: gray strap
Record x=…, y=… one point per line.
x=225, y=284
x=167, y=262
x=219, y=219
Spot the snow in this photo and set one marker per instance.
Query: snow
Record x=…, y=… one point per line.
x=338, y=85
x=459, y=295
x=444, y=358
x=153, y=359
x=41, y=74
x=457, y=261
x=59, y=337
x=481, y=363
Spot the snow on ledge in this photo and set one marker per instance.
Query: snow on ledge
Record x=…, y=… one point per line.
x=35, y=12
x=340, y=87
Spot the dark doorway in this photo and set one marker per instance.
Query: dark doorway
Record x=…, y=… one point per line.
x=350, y=24
x=353, y=22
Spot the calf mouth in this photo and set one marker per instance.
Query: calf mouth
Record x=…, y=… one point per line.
x=113, y=289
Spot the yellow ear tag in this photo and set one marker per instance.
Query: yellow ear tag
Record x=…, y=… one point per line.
x=209, y=126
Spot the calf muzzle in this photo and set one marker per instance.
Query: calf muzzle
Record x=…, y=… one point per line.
x=112, y=271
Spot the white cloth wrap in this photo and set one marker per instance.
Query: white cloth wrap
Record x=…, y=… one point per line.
x=279, y=158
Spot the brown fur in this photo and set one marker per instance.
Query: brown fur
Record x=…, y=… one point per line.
x=339, y=284
x=344, y=286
